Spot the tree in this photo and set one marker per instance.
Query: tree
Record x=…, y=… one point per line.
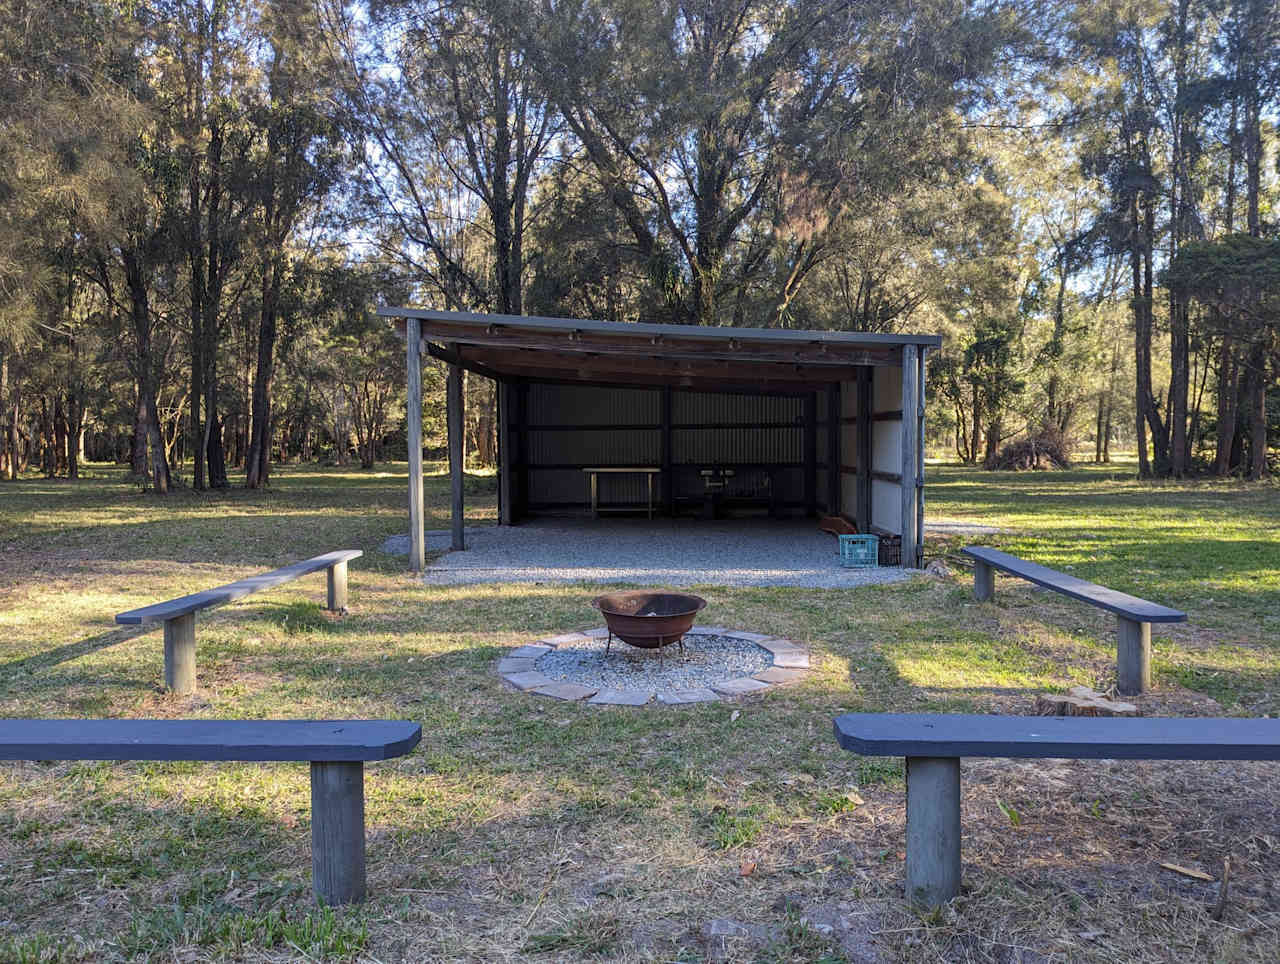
x=299, y=165
x=724, y=133
x=1239, y=276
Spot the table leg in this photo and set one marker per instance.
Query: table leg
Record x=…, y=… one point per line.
x=595, y=495
x=650, y=477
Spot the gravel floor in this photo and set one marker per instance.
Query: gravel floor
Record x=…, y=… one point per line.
x=661, y=552
x=707, y=659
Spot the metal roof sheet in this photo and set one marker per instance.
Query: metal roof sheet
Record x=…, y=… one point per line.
x=709, y=333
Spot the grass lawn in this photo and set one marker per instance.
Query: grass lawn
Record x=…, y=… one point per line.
x=527, y=829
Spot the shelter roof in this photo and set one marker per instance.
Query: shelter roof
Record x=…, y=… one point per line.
x=568, y=349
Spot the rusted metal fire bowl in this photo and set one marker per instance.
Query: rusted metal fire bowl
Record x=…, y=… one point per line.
x=649, y=619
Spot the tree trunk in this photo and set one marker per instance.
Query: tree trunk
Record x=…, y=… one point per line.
x=147, y=373
x=994, y=431
x=1179, y=384
x=138, y=444
x=258, y=462
x=75, y=434
x=59, y=435
x=1258, y=416
x=8, y=456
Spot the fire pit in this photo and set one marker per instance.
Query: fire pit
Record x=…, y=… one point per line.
x=647, y=619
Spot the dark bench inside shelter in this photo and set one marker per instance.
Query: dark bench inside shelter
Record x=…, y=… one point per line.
x=933, y=745
x=1134, y=616
x=336, y=750
x=179, y=615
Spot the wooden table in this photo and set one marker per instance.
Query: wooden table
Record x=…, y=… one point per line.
x=646, y=470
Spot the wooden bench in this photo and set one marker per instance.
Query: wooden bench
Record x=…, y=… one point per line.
x=933, y=745
x=1134, y=616
x=178, y=615
x=336, y=750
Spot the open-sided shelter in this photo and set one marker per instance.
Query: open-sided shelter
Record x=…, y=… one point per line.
x=681, y=419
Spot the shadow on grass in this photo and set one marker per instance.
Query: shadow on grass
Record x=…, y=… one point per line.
x=63, y=654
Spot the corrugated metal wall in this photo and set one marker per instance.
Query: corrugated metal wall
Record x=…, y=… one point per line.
x=760, y=437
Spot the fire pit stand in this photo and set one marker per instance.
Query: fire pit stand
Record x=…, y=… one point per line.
x=647, y=619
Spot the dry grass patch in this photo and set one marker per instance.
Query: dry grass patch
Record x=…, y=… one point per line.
x=526, y=829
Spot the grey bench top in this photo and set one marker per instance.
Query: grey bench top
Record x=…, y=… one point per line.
x=222, y=595
x=1064, y=737
x=1131, y=607
x=321, y=741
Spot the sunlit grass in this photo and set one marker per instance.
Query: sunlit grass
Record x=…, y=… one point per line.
x=489, y=841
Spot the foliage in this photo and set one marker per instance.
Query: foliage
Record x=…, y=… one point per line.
x=1046, y=450
x=1079, y=197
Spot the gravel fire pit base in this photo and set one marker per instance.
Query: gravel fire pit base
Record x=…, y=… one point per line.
x=718, y=663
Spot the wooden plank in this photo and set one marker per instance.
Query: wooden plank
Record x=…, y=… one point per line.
x=933, y=830
x=920, y=468
x=833, y=449
x=910, y=453
x=578, y=466
x=220, y=596
x=520, y=439
x=413, y=420
x=862, y=512
x=811, y=453
x=180, y=654
x=1133, y=656
x=608, y=367
x=336, y=588
x=506, y=504
x=1131, y=607
x=245, y=740
x=453, y=416
x=875, y=417
x=1059, y=737
x=668, y=483
x=337, y=832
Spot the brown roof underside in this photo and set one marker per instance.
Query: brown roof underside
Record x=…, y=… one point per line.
x=564, y=350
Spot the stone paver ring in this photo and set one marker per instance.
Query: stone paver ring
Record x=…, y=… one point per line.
x=717, y=664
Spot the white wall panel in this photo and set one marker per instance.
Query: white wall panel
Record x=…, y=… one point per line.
x=886, y=506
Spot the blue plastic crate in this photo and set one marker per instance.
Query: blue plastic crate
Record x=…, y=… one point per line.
x=859, y=551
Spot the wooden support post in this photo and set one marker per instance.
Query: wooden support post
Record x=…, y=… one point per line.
x=336, y=588
x=865, y=395
x=1133, y=656
x=413, y=413
x=453, y=415
x=833, y=449
x=910, y=453
x=984, y=581
x=180, y=654
x=521, y=453
x=811, y=454
x=506, y=486
x=337, y=832
x=933, y=830
x=668, y=483
x=920, y=405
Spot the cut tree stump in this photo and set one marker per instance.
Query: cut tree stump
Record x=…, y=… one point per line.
x=1081, y=701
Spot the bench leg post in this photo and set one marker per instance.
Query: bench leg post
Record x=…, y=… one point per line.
x=1133, y=656
x=336, y=590
x=933, y=830
x=984, y=581
x=337, y=832
x=180, y=654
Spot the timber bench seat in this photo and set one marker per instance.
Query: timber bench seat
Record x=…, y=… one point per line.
x=336, y=750
x=178, y=615
x=1134, y=616
x=934, y=743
